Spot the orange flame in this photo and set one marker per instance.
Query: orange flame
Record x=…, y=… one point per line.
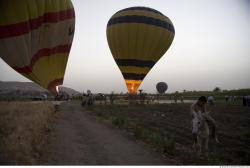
x=133, y=85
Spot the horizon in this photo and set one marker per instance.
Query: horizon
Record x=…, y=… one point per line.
x=210, y=48
x=167, y=92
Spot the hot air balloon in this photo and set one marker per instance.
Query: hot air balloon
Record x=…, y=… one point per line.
x=161, y=87
x=138, y=37
x=36, y=37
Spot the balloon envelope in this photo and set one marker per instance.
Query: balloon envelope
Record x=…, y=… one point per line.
x=138, y=37
x=36, y=37
x=161, y=87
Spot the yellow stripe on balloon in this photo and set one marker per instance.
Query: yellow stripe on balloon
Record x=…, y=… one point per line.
x=29, y=9
x=134, y=69
x=142, y=41
x=48, y=69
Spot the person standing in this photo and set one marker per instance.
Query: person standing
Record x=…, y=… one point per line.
x=244, y=100
x=248, y=100
x=198, y=110
x=182, y=99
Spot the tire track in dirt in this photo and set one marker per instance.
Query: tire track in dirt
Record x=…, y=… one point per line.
x=79, y=139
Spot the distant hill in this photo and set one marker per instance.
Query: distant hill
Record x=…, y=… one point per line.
x=69, y=91
x=22, y=86
x=28, y=89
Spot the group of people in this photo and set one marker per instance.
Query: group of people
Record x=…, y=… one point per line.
x=230, y=99
x=88, y=99
x=175, y=98
x=245, y=99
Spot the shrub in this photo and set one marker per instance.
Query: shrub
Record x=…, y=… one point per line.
x=119, y=121
x=169, y=145
x=140, y=132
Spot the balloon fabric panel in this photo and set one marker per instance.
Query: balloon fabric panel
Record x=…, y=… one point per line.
x=36, y=37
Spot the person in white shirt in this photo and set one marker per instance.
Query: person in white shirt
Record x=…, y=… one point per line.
x=198, y=110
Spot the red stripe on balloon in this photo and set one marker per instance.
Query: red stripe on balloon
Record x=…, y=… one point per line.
x=52, y=85
x=26, y=26
x=44, y=52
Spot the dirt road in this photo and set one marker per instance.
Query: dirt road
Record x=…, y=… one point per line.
x=79, y=139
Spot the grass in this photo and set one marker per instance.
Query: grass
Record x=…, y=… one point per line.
x=119, y=121
x=169, y=145
x=23, y=131
x=166, y=144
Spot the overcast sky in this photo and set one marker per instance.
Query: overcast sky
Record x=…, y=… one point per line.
x=211, y=47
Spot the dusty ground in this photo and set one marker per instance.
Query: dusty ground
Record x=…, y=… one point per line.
x=78, y=138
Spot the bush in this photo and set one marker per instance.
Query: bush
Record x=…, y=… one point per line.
x=119, y=121
x=140, y=132
x=169, y=145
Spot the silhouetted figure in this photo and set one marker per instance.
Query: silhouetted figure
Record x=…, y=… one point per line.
x=226, y=97
x=248, y=100
x=87, y=99
x=111, y=98
x=90, y=100
x=84, y=99
x=244, y=100
x=182, y=99
x=210, y=100
x=175, y=98
x=231, y=99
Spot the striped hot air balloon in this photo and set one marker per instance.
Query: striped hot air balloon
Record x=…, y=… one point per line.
x=138, y=37
x=36, y=37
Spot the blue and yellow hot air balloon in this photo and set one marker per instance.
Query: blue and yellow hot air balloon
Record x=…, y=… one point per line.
x=36, y=37
x=138, y=37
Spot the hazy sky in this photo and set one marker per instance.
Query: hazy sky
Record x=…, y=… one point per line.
x=211, y=47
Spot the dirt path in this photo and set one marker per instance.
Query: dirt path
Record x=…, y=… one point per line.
x=79, y=139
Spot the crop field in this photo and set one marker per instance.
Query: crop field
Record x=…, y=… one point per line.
x=23, y=131
x=167, y=128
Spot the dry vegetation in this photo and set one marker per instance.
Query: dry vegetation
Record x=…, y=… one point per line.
x=23, y=131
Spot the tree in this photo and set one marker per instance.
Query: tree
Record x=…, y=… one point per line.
x=217, y=89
